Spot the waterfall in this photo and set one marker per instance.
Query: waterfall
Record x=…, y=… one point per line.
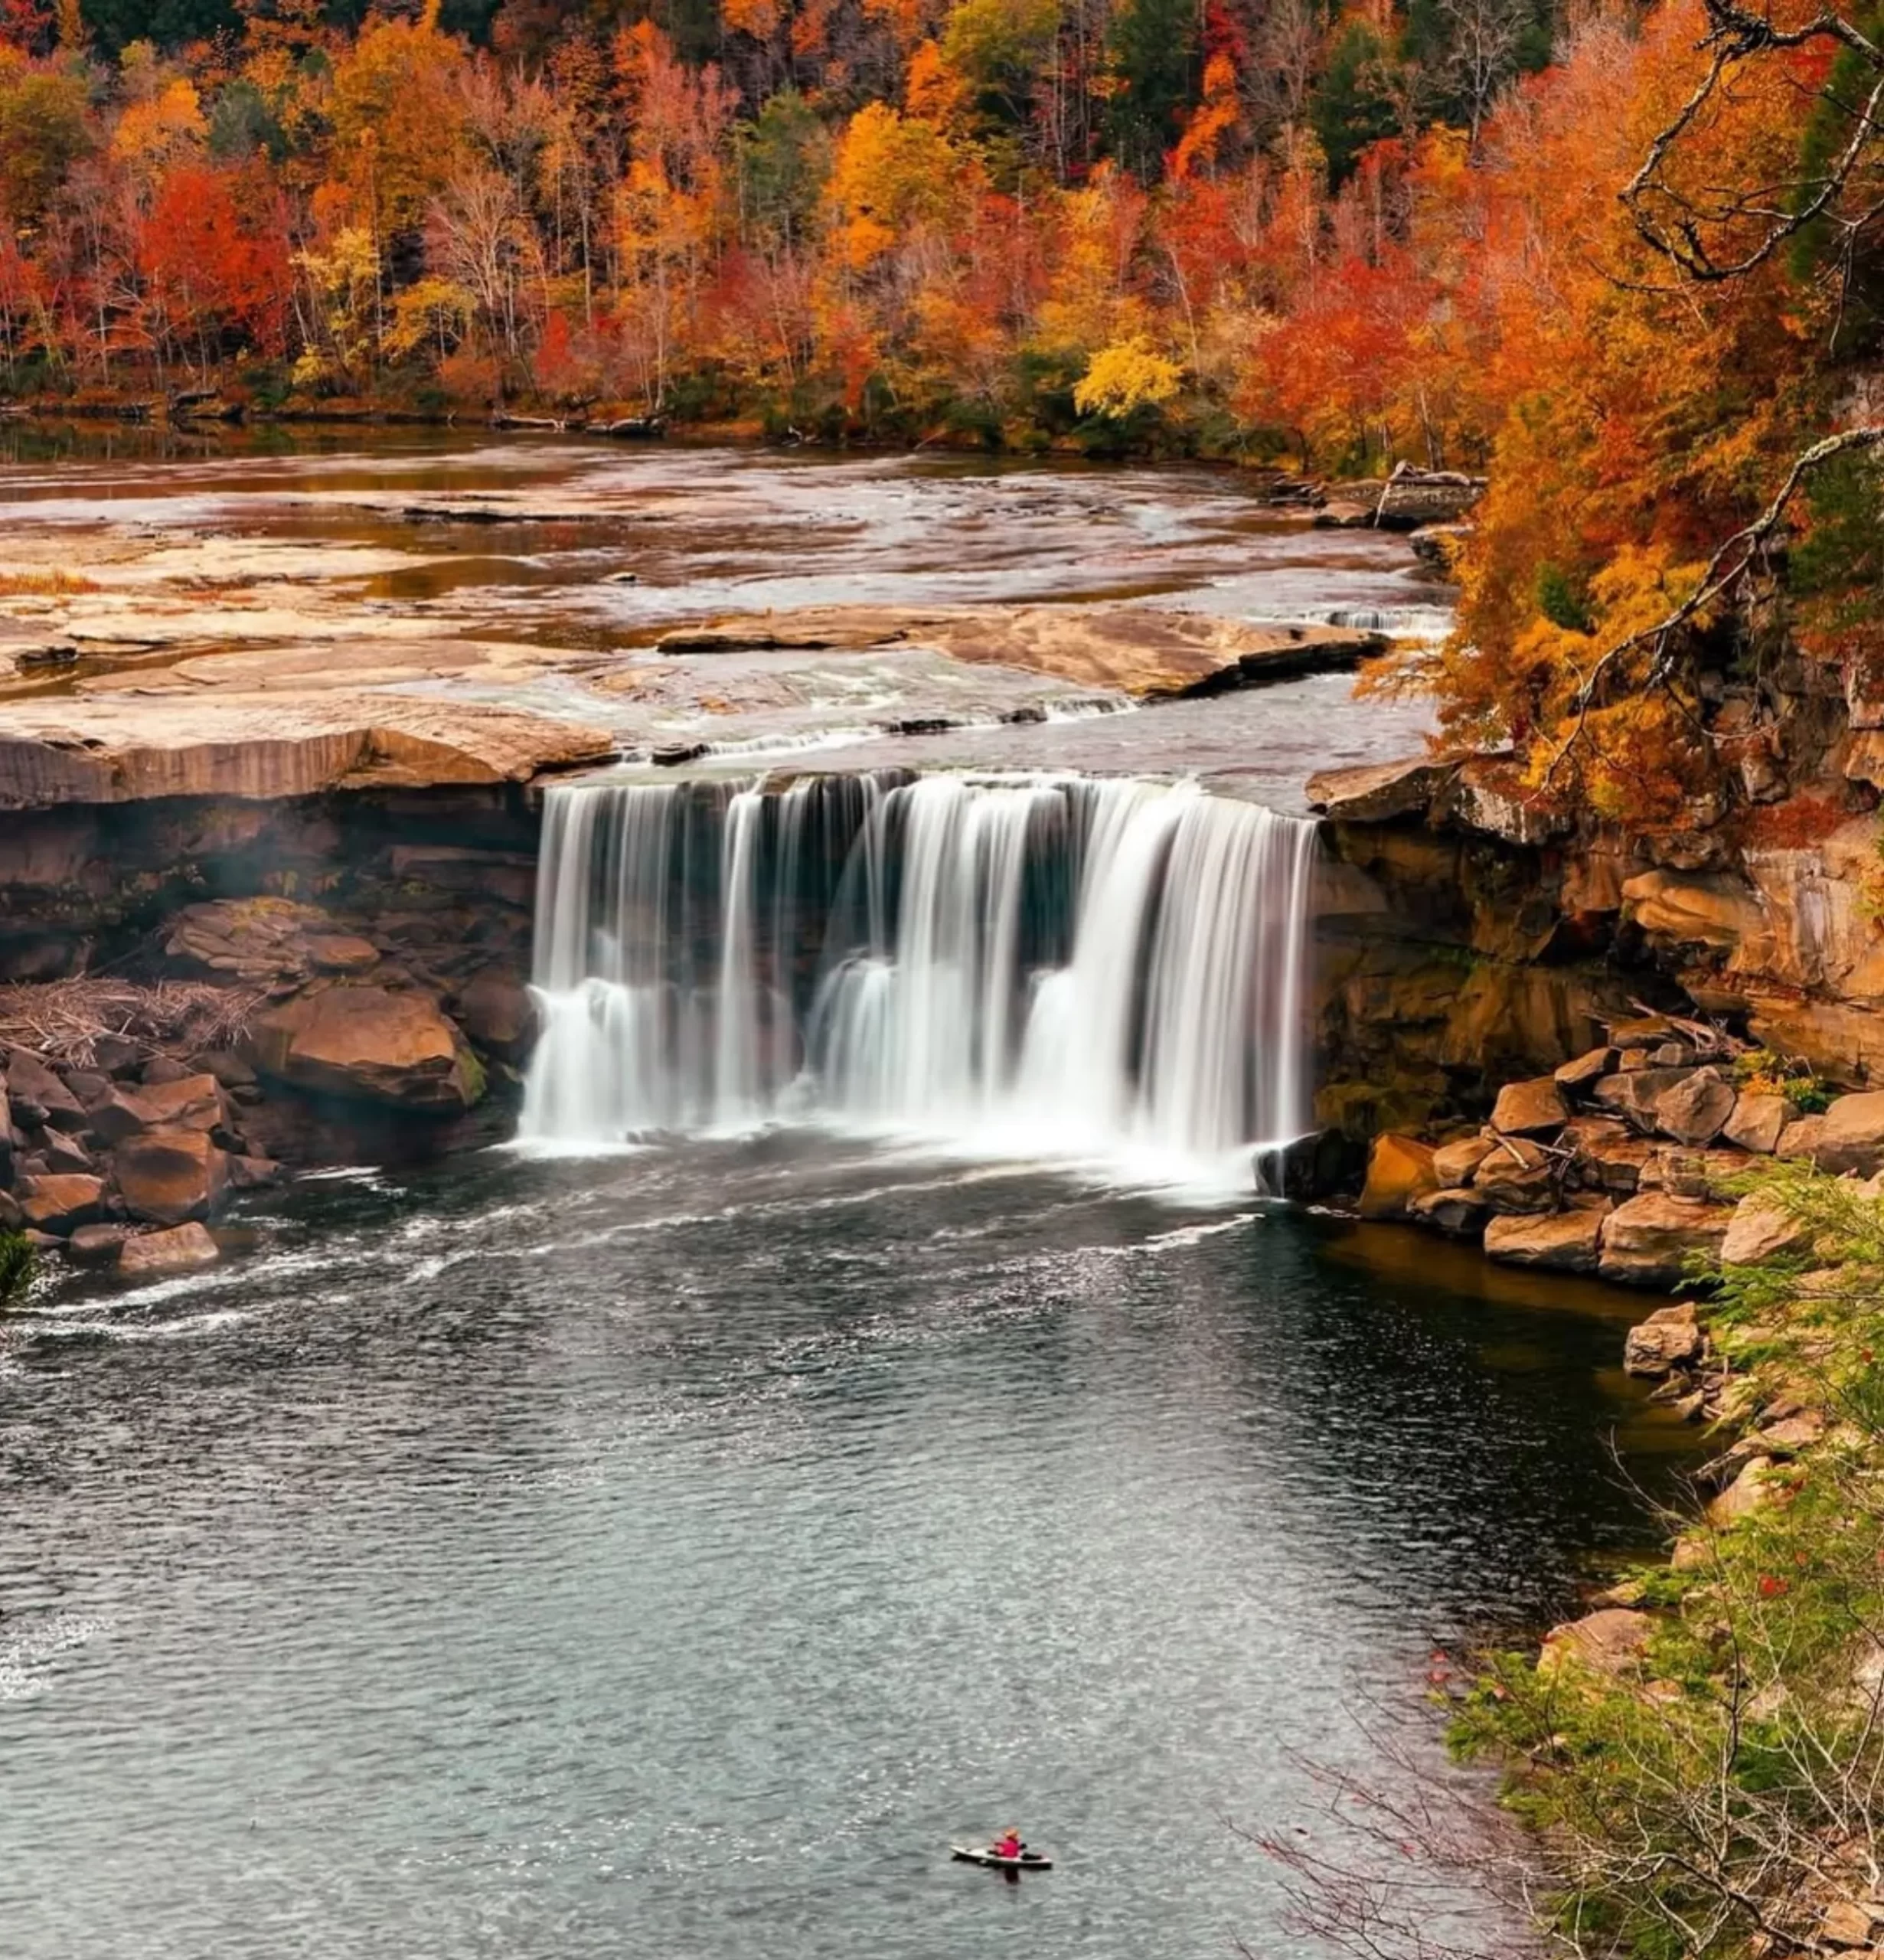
x=1016, y=965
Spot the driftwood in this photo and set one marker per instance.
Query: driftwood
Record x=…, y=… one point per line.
x=631, y=428
x=64, y=1019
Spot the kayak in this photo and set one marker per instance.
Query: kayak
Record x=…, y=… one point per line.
x=1028, y=1860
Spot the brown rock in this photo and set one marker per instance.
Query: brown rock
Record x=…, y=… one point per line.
x=1377, y=792
x=1747, y=1494
x=340, y=953
x=38, y=1095
x=182, y=1249
x=167, y=1177
x=1852, y=1137
x=117, y=1115
x=1565, y=1241
x=96, y=1244
x=1708, y=1174
x=1634, y=1096
x=1757, y=1123
x=1648, y=1241
x=161, y=1070
x=1762, y=1228
x=496, y=1011
x=60, y=1203
x=65, y=1153
x=1454, y=1163
x=368, y=1044
x=105, y=750
x=228, y=1068
x=1459, y=1213
x=1399, y=1169
x=1586, y=1069
x=1715, y=911
x=1530, y=1109
x=1608, y=1642
x=186, y=1103
x=1789, y=1437
x=1669, y=1338
x=1696, y=1108
x=1616, y=1164
x=1801, y=1138
x=1648, y=1030
x=253, y=1174
x=1517, y=1176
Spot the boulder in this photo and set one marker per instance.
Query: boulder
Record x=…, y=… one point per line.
x=1565, y=1241
x=1852, y=1137
x=1747, y=1494
x=1536, y=1107
x=60, y=1202
x=368, y=1044
x=1454, y=1163
x=1377, y=792
x=96, y=1244
x=1695, y=1109
x=1648, y=1241
x=339, y=952
x=1399, y=1169
x=496, y=1011
x=1517, y=1176
x=1757, y=1123
x=181, y=1249
x=1633, y=1095
x=1586, y=1069
x=1459, y=1213
x=1800, y=1138
x=253, y=1174
x=186, y=1102
x=1762, y=1228
x=1618, y=1165
x=167, y=1177
x=1609, y=1641
x=227, y=1067
x=1708, y=1174
x=38, y=1095
x=118, y=1114
x=1669, y=1339
x=66, y=1153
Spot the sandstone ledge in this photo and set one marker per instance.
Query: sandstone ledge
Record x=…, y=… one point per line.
x=127, y=749
x=1141, y=650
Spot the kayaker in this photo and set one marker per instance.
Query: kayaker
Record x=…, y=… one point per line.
x=1008, y=1844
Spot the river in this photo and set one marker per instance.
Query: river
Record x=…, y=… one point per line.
x=673, y=1553
x=671, y=1550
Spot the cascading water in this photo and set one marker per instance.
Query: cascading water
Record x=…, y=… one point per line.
x=1024, y=966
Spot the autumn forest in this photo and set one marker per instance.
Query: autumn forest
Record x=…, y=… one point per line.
x=1624, y=257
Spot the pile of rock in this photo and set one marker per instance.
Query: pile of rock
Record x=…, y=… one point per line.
x=355, y=1036
x=1621, y=1163
x=120, y=1164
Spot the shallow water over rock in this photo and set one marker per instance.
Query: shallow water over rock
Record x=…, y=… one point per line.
x=671, y=1552
x=538, y=575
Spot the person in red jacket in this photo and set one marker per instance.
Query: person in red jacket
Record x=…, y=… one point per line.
x=1008, y=1844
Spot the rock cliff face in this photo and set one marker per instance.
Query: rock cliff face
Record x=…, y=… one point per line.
x=1768, y=914
x=319, y=956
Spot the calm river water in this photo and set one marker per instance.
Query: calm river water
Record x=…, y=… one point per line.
x=670, y=1554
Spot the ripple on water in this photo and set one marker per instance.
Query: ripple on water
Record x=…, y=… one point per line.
x=673, y=1554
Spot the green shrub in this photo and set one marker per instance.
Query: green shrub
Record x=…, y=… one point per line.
x=16, y=1266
